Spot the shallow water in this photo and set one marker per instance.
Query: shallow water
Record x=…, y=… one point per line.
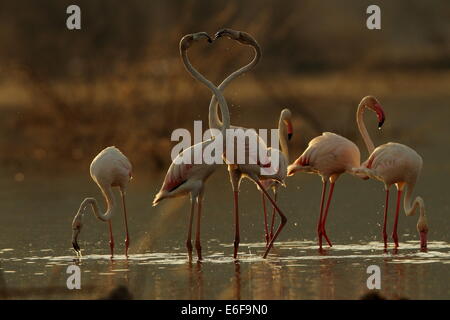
x=35, y=240
x=295, y=270
x=36, y=244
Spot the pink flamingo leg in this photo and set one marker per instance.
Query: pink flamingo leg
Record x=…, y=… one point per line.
x=283, y=219
x=266, y=230
x=326, y=214
x=236, y=223
x=198, y=246
x=127, y=239
x=189, y=236
x=385, y=219
x=111, y=239
x=397, y=210
x=319, y=223
x=273, y=216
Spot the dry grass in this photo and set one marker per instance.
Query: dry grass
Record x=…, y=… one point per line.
x=64, y=96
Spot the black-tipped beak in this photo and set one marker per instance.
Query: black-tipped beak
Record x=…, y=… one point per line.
x=209, y=39
x=289, y=136
x=380, y=115
x=76, y=247
x=219, y=33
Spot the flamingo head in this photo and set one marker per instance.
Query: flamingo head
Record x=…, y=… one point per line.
x=372, y=103
x=77, y=225
x=293, y=168
x=242, y=37
x=188, y=39
x=422, y=228
x=75, y=232
x=286, y=117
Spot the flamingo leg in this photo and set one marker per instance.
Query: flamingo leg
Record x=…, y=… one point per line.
x=273, y=215
x=397, y=210
x=198, y=246
x=282, y=216
x=385, y=218
x=127, y=239
x=236, y=223
x=111, y=239
x=319, y=223
x=189, y=235
x=326, y=214
x=266, y=230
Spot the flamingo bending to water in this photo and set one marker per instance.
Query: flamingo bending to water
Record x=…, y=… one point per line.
x=110, y=168
x=329, y=155
x=395, y=163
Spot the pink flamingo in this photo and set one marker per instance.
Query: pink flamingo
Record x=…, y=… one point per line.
x=110, y=168
x=285, y=132
x=251, y=171
x=284, y=124
x=395, y=163
x=329, y=155
x=183, y=178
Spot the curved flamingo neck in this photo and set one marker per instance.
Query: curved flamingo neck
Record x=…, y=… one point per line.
x=411, y=206
x=110, y=205
x=362, y=127
x=282, y=131
x=197, y=75
x=214, y=121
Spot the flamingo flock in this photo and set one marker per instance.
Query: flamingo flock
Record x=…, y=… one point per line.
x=328, y=155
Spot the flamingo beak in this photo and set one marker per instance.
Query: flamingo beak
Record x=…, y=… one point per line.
x=380, y=115
x=281, y=182
x=423, y=240
x=199, y=35
x=227, y=32
x=290, y=130
x=291, y=170
x=75, y=233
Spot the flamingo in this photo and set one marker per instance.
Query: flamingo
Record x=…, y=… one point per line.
x=110, y=168
x=330, y=155
x=283, y=125
x=183, y=178
x=251, y=171
x=284, y=130
x=395, y=163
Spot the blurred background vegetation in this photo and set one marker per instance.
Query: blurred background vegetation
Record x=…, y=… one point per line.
x=64, y=95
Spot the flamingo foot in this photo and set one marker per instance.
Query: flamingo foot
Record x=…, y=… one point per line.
x=236, y=248
x=127, y=245
x=189, y=249
x=198, y=247
x=267, y=240
x=111, y=247
x=385, y=240
x=395, y=238
x=326, y=237
x=319, y=235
